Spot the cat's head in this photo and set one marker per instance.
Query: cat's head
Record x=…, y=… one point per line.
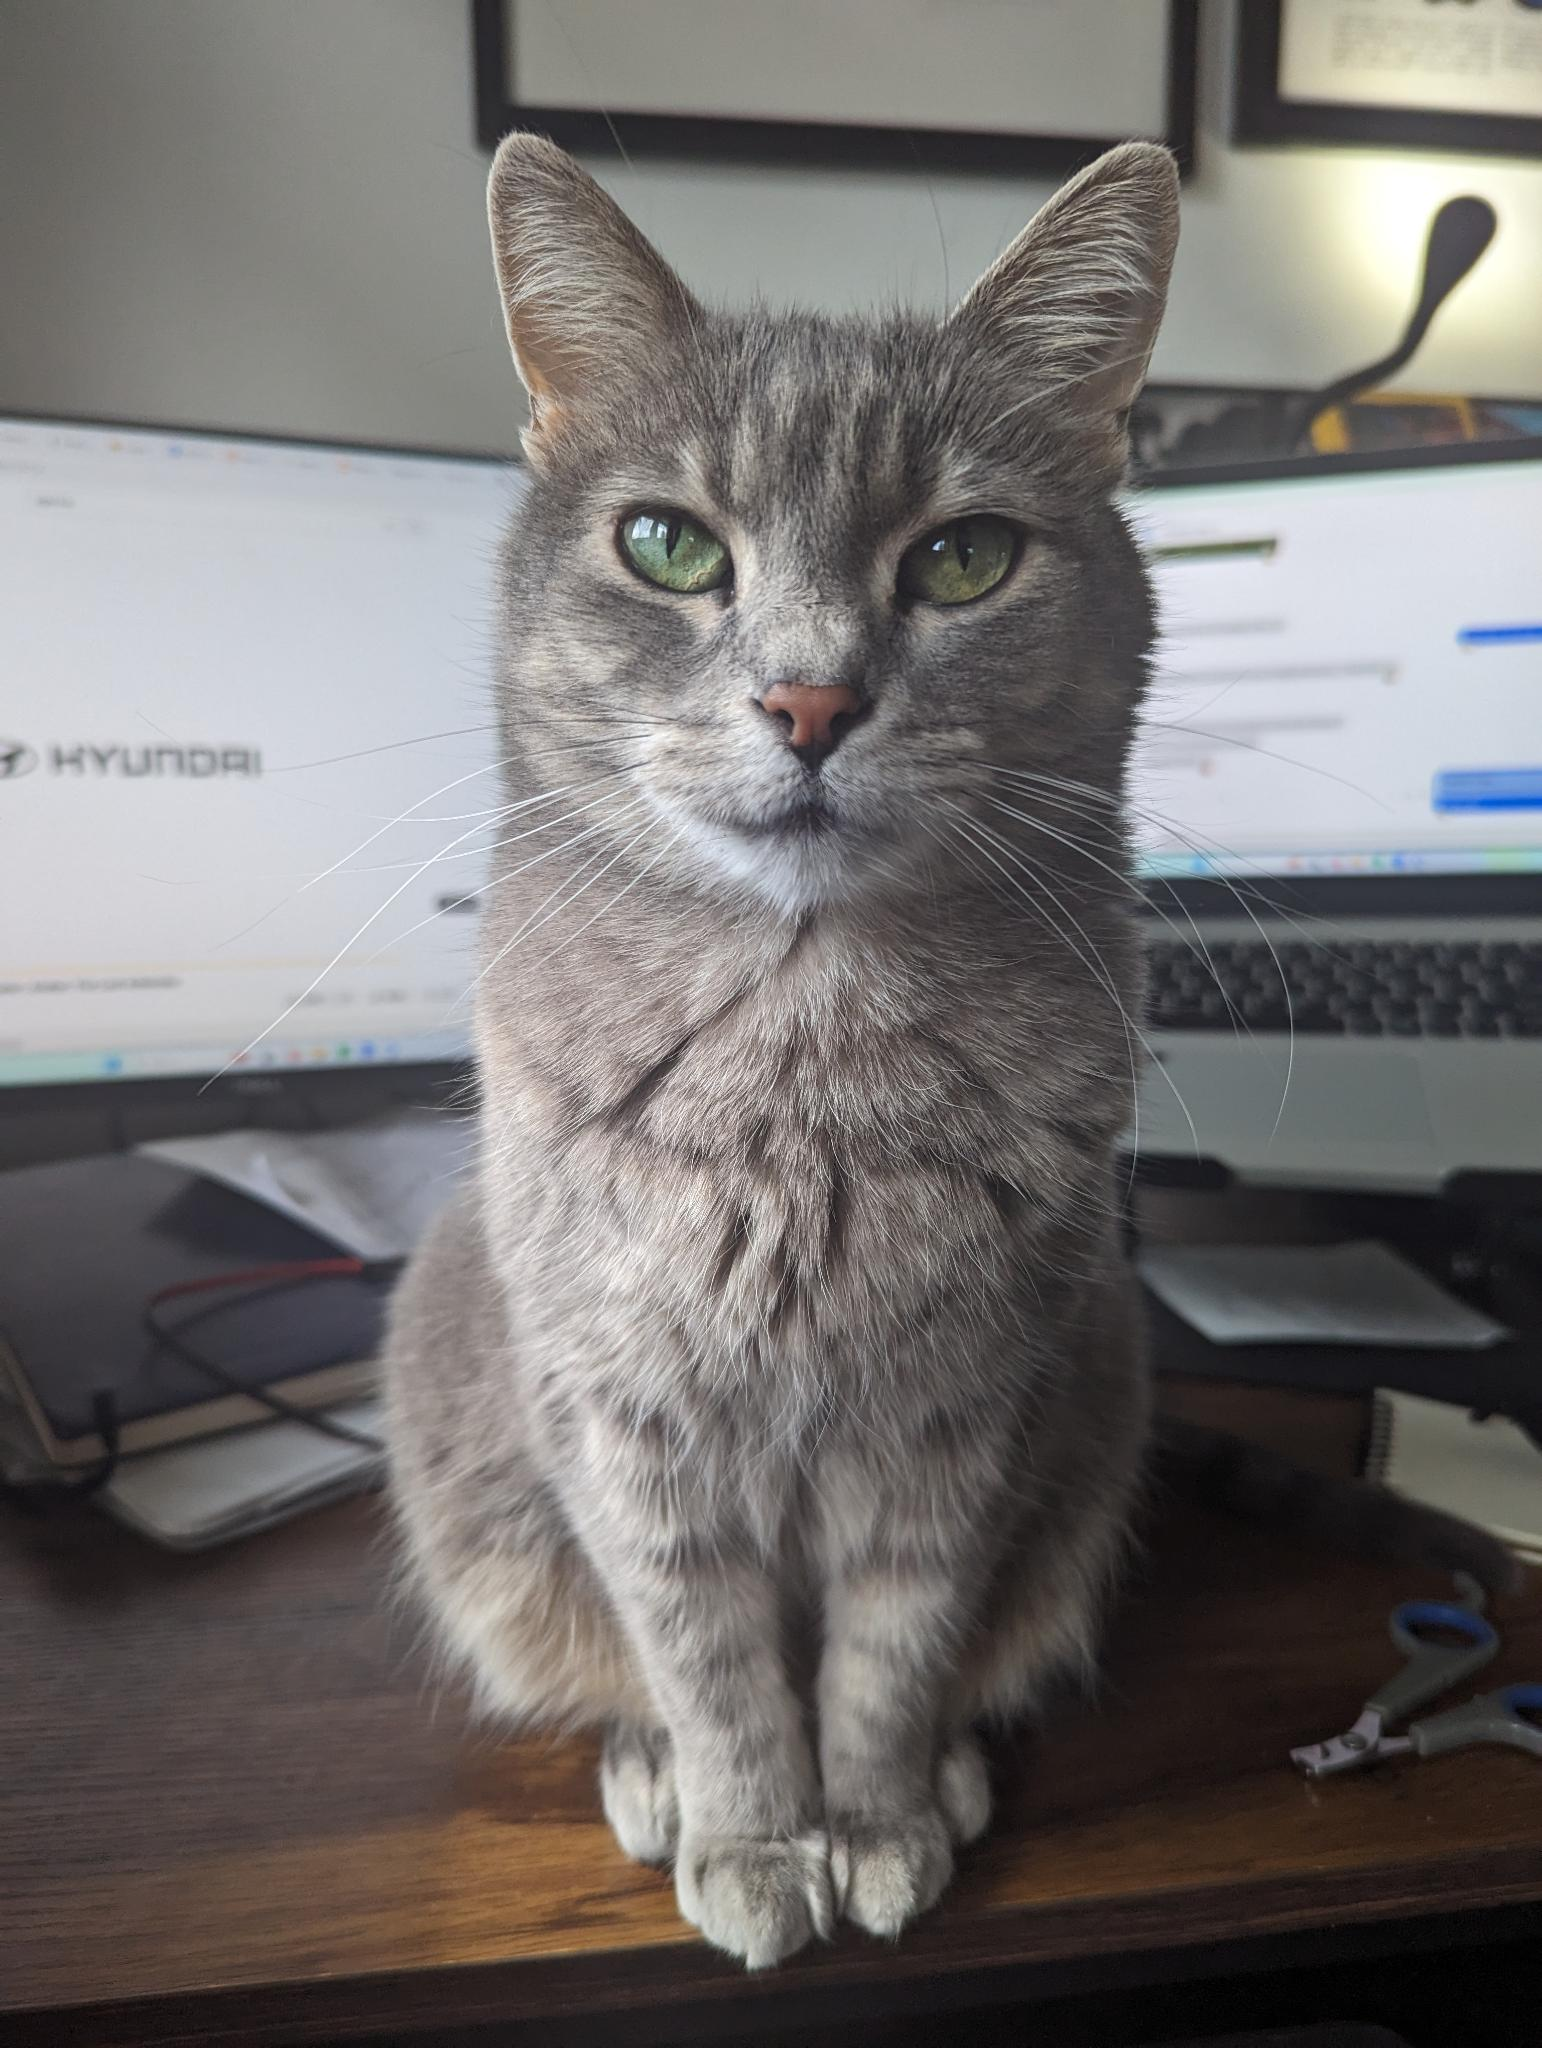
x=795, y=604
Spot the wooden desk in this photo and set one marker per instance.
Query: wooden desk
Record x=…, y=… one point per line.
x=233, y=1805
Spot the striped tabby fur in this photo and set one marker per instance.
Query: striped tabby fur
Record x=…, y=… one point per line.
x=777, y=1401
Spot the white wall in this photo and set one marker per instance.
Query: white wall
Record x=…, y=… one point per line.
x=268, y=213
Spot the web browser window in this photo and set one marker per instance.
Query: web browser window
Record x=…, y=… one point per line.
x=246, y=702
x=1350, y=674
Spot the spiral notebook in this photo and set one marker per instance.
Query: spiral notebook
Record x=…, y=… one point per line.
x=1488, y=1472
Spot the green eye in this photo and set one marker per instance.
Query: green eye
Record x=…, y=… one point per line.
x=674, y=552
x=959, y=562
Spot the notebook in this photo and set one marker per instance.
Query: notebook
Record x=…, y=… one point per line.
x=1488, y=1472
x=84, y=1243
x=192, y=1496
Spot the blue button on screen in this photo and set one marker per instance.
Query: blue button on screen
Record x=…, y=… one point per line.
x=1488, y=789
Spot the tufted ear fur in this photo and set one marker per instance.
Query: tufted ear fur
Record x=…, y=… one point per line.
x=585, y=296
x=1077, y=299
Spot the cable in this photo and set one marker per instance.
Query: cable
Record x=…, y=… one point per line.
x=252, y=1276
x=258, y=1281
x=34, y=1495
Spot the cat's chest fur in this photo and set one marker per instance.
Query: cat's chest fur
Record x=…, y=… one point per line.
x=814, y=1166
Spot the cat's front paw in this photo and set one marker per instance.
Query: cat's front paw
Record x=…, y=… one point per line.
x=759, y=1900
x=964, y=1788
x=637, y=1790
x=886, y=1869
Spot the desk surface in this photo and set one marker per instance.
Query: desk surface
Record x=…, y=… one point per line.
x=232, y=1797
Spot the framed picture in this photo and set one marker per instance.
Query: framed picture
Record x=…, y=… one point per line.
x=1032, y=85
x=1423, y=74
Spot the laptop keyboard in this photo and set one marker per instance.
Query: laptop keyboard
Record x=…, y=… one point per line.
x=1365, y=988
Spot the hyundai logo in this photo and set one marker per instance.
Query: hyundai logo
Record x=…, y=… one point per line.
x=16, y=758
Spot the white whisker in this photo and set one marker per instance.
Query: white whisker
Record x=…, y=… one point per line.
x=378, y=833
x=646, y=868
x=1081, y=848
x=535, y=861
x=1278, y=964
x=1097, y=966
x=337, y=958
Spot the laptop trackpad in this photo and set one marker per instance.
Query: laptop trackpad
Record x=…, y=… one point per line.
x=1235, y=1090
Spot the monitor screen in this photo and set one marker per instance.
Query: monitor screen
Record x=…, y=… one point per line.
x=247, y=766
x=1350, y=674
x=246, y=700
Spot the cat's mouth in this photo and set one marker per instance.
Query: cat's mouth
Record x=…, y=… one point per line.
x=807, y=817
x=796, y=848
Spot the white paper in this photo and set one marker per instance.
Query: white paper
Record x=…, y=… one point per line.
x=1487, y=1472
x=1405, y=53
x=1049, y=67
x=372, y=1188
x=1311, y=1294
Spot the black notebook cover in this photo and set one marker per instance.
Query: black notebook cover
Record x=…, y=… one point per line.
x=83, y=1246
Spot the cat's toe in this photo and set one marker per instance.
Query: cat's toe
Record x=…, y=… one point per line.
x=759, y=1900
x=637, y=1789
x=886, y=1871
x=964, y=1788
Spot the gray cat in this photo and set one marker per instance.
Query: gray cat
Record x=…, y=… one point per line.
x=777, y=1403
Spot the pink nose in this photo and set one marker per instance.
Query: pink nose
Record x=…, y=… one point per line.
x=814, y=717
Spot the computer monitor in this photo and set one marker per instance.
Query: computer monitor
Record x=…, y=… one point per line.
x=1349, y=681
x=247, y=696
x=247, y=755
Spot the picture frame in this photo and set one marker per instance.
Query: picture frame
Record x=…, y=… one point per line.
x=713, y=131
x=1339, y=71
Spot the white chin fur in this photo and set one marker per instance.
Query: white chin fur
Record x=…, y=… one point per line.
x=792, y=875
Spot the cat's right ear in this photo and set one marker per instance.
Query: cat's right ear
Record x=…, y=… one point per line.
x=584, y=294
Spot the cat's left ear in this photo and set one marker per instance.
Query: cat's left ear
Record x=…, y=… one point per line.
x=587, y=300
x=1077, y=299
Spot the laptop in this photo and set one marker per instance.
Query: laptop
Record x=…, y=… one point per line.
x=247, y=698
x=1338, y=815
